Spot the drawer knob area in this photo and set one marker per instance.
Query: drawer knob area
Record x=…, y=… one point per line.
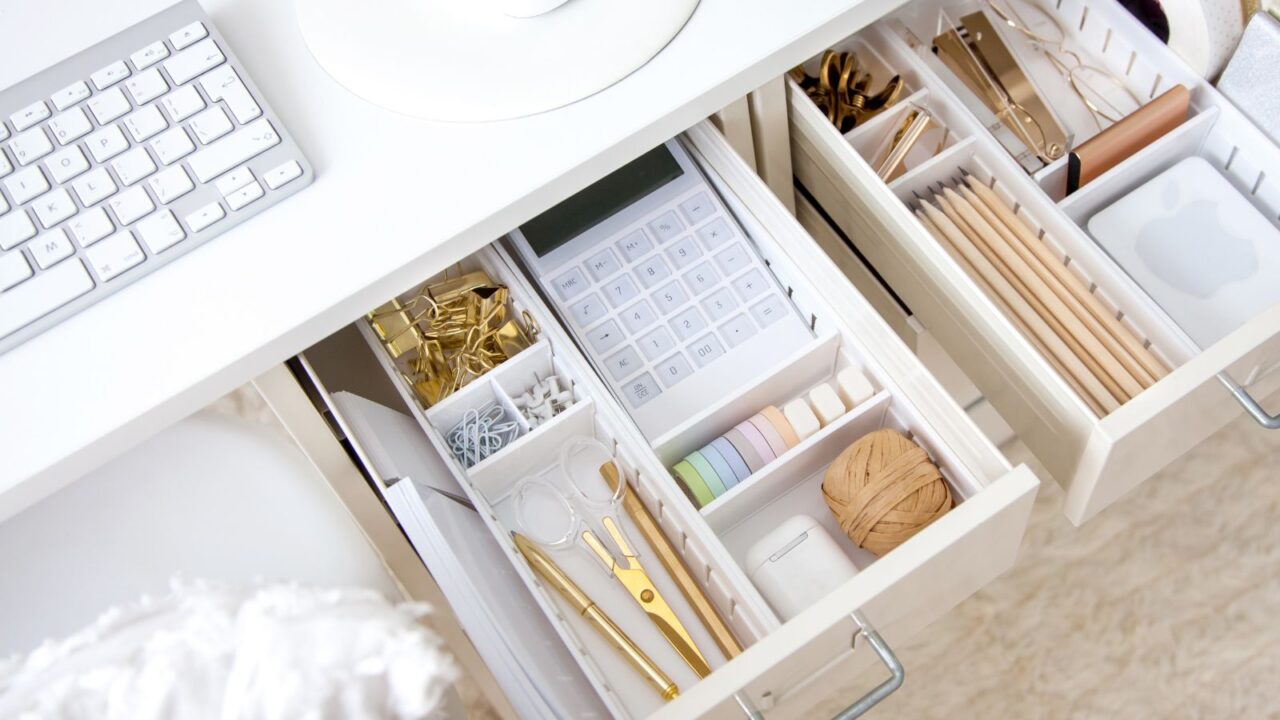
x=1265, y=419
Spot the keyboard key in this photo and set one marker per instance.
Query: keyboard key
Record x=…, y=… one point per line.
x=4, y=205
x=66, y=164
x=29, y=116
x=94, y=186
x=638, y=317
x=30, y=146
x=193, y=61
x=110, y=75
x=187, y=35
x=750, y=284
x=684, y=252
x=620, y=290
x=738, y=330
x=603, y=264
x=14, y=268
x=130, y=205
x=144, y=123
x=171, y=184
x=211, y=125
x=109, y=105
x=715, y=233
x=605, y=337
x=720, y=304
x=733, y=259
x=634, y=245
x=234, y=180
x=657, y=343
x=624, y=364
x=26, y=184
x=570, y=284
x=133, y=166
x=588, y=310
x=670, y=297
x=706, y=349
x=54, y=206
x=114, y=255
x=701, y=279
x=224, y=84
x=666, y=227
x=688, y=323
x=172, y=145
x=15, y=228
x=245, y=195
x=183, y=103
x=697, y=208
x=70, y=95
x=640, y=390
x=769, y=310
x=50, y=248
x=673, y=370
x=146, y=86
x=160, y=231
x=5, y=166
x=653, y=271
x=4, y=131
x=43, y=294
x=90, y=226
x=233, y=150
x=149, y=55
x=70, y=125
x=205, y=216
x=106, y=143
x=281, y=175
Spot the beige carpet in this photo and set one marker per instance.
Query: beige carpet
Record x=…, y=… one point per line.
x=1166, y=605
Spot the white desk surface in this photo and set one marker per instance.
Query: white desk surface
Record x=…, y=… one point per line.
x=396, y=199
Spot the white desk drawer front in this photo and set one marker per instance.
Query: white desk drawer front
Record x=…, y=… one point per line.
x=1096, y=455
x=785, y=665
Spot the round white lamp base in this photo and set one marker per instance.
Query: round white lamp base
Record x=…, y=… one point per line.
x=469, y=61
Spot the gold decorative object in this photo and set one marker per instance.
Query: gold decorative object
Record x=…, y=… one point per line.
x=842, y=90
x=450, y=332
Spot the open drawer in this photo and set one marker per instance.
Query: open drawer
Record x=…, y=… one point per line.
x=785, y=667
x=1096, y=456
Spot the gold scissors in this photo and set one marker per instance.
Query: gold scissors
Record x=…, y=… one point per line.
x=633, y=577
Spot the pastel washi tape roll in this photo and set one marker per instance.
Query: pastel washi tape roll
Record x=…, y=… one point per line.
x=757, y=441
x=780, y=423
x=708, y=473
x=771, y=435
x=720, y=465
x=746, y=451
x=731, y=456
x=693, y=482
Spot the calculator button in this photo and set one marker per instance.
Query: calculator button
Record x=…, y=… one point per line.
x=733, y=259
x=673, y=370
x=705, y=349
x=588, y=310
x=666, y=227
x=635, y=245
x=737, y=330
x=638, y=317
x=603, y=264
x=684, y=252
x=620, y=290
x=720, y=304
x=697, y=208
x=657, y=343
x=750, y=285
x=769, y=310
x=670, y=297
x=640, y=390
x=653, y=271
x=715, y=233
x=570, y=284
x=688, y=323
x=624, y=363
x=605, y=337
x=701, y=278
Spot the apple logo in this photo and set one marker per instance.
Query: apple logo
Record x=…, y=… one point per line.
x=1190, y=249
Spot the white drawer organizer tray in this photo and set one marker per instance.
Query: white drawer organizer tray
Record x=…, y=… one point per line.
x=786, y=668
x=1097, y=459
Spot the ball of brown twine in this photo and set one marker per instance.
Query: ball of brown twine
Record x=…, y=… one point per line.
x=883, y=489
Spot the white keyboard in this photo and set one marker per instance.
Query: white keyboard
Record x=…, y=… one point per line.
x=124, y=157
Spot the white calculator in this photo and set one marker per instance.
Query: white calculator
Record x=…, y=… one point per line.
x=661, y=288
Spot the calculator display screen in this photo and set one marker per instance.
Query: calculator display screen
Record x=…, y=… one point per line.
x=602, y=200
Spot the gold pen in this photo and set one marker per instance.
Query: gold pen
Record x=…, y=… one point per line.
x=587, y=607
